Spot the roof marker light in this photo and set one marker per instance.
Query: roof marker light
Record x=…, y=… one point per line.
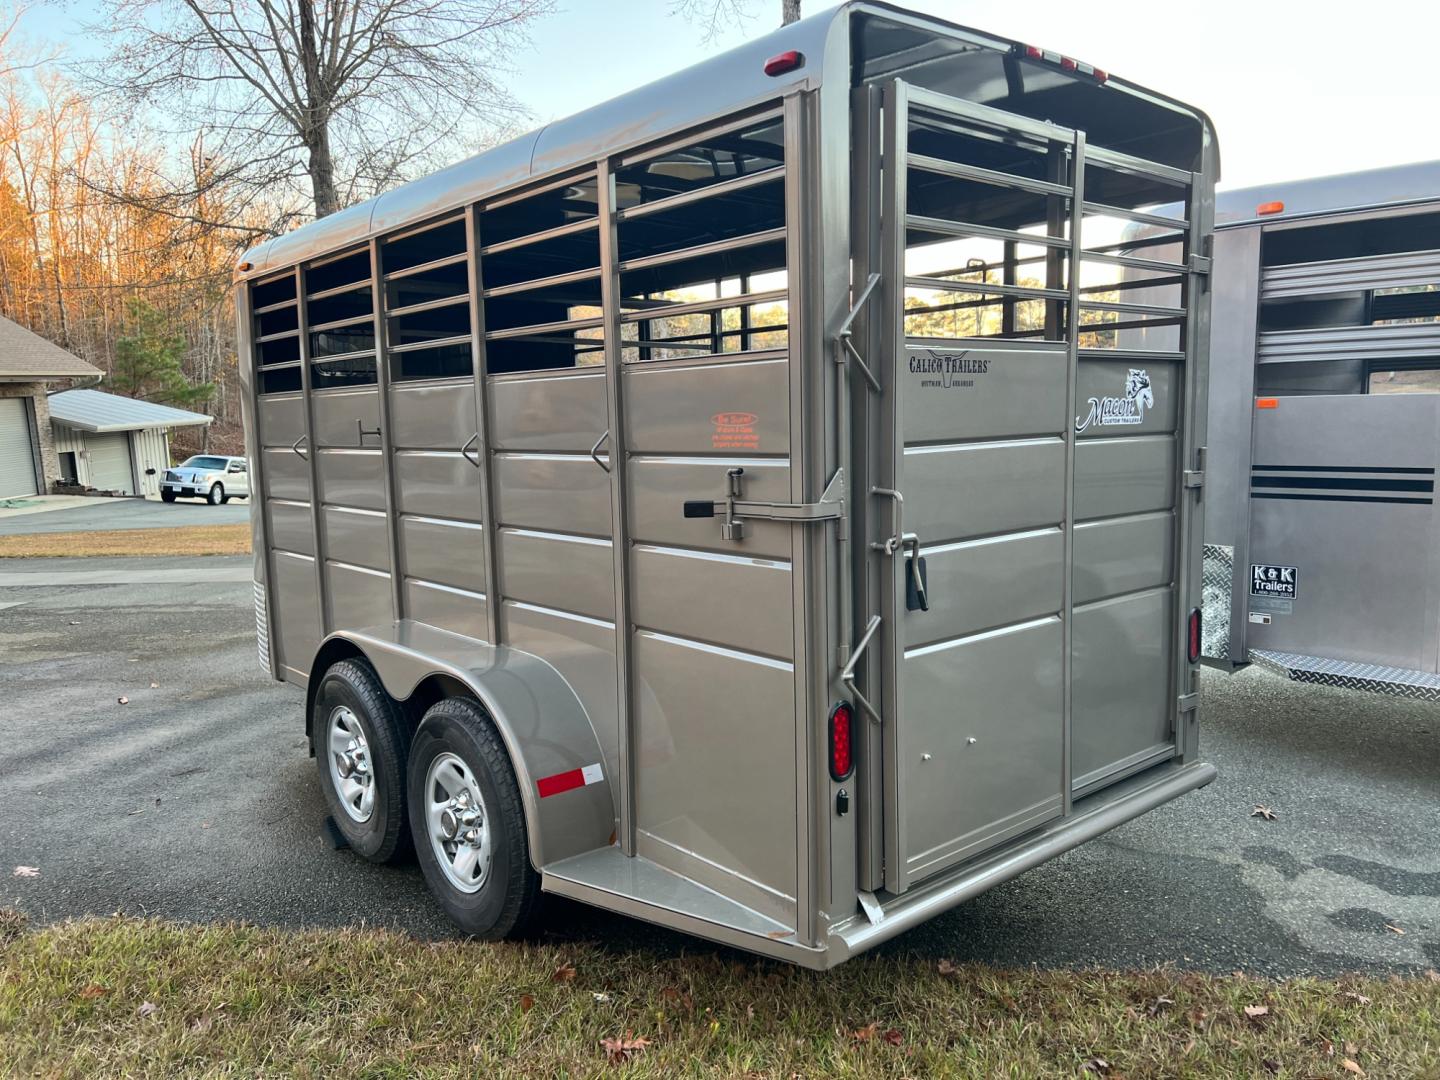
x=242, y=267
x=784, y=62
x=1270, y=208
x=1067, y=64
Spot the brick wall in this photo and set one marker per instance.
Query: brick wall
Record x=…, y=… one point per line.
x=40, y=435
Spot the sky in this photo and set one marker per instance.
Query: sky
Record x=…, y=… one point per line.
x=1295, y=89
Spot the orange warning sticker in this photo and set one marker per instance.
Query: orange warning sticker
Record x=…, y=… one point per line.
x=735, y=431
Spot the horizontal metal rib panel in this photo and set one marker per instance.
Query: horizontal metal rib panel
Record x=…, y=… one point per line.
x=1158, y=220
x=985, y=176
x=717, y=247
x=965, y=228
x=945, y=285
x=1114, y=159
x=1349, y=275
x=702, y=306
x=685, y=198
x=1401, y=341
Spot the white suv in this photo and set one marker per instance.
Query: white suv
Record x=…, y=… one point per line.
x=207, y=476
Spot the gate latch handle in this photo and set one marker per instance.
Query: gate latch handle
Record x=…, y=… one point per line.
x=735, y=508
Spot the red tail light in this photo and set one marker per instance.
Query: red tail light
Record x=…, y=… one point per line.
x=842, y=742
x=1194, y=635
x=783, y=62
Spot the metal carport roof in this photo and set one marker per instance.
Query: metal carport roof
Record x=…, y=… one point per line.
x=95, y=410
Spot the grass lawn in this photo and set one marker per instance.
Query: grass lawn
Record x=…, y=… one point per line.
x=128, y=997
x=185, y=540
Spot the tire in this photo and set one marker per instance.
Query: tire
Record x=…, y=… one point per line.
x=375, y=823
x=167, y=496
x=504, y=901
x=217, y=495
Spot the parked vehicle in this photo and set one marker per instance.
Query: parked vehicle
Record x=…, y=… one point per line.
x=215, y=478
x=1325, y=425
x=710, y=507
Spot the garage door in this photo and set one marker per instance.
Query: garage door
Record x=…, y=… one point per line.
x=110, y=463
x=17, y=456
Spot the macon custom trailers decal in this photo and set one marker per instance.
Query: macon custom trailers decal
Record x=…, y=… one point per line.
x=1322, y=540
x=737, y=506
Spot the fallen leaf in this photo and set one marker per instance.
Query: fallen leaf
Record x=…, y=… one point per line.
x=201, y=1024
x=1350, y=1066
x=1255, y=1012
x=1271, y=1065
x=91, y=992
x=26, y=871
x=1264, y=812
x=619, y=1051
x=893, y=1037
x=1351, y=1048
x=1160, y=1004
x=946, y=968
x=564, y=973
x=601, y=998
x=864, y=1034
x=1096, y=1065
x=1359, y=999
x=1394, y=929
x=123, y=700
x=527, y=1002
x=147, y=1008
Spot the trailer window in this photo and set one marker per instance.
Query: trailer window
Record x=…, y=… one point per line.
x=276, y=333
x=340, y=320
x=427, y=302
x=1422, y=378
x=702, y=237
x=540, y=269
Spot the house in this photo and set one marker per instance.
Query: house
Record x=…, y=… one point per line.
x=27, y=363
x=114, y=443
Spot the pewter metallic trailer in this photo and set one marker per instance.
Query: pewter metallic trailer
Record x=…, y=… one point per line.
x=1322, y=554
x=731, y=506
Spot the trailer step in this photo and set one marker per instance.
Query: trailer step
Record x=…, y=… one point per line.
x=610, y=879
x=1372, y=678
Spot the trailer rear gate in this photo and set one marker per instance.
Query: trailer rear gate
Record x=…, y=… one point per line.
x=458, y=419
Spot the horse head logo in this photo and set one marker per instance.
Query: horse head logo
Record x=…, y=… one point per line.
x=1137, y=389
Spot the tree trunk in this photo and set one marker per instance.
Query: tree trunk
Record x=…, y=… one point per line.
x=317, y=121
x=789, y=12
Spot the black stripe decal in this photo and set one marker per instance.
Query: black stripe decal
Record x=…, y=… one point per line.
x=1335, y=483
x=1343, y=498
x=1344, y=468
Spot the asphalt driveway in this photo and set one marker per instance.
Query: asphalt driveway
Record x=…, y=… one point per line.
x=110, y=513
x=196, y=800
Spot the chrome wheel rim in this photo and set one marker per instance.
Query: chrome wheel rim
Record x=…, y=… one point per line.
x=458, y=824
x=351, y=770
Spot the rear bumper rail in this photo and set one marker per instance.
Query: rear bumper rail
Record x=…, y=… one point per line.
x=1094, y=815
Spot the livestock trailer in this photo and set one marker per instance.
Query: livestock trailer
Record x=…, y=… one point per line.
x=730, y=506
x=1322, y=540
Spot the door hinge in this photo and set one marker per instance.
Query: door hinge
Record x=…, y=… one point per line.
x=1194, y=478
x=1188, y=702
x=1200, y=264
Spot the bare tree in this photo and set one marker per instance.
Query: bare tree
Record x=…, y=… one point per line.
x=340, y=97
x=714, y=15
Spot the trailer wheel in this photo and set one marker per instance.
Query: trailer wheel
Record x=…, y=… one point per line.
x=361, y=743
x=469, y=824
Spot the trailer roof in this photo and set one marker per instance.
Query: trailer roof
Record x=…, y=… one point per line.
x=1367, y=189
x=710, y=89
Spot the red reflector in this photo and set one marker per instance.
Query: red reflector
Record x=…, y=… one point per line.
x=1267, y=403
x=786, y=61
x=1067, y=64
x=1270, y=208
x=1034, y=52
x=1101, y=76
x=842, y=742
x=1194, y=635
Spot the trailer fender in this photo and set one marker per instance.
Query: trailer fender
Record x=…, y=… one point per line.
x=564, y=782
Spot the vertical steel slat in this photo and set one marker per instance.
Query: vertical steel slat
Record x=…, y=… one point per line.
x=891, y=443
x=1072, y=376
x=387, y=442
x=619, y=527
x=802, y=278
x=488, y=542
x=261, y=542
x=302, y=320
